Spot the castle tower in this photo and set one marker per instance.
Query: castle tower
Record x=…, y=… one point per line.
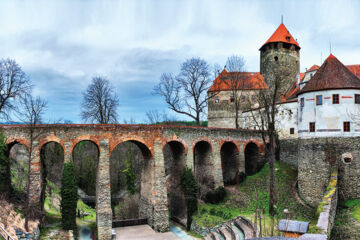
x=280, y=49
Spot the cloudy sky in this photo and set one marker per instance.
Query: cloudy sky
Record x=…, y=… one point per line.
x=61, y=45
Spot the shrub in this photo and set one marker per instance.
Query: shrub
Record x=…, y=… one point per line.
x=4, y=165
x=130, y=174
x=191, y=191
x=216, y=196
x=68, y=197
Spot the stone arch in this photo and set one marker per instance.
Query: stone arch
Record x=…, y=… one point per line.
x=204, y=167
x=253, y=161
x=175, y=160
x=141, y=203
x=141, y=143
x=11, y=142
x=203, y=139
x=179, y=140
x=52, y=165
x=230, y=162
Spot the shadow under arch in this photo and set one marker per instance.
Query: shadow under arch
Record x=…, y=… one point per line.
x=138, y=204
x=203, y=167
x=230, y=162
x=175, y=161
x=253, y=159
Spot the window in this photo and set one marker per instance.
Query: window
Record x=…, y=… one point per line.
x=357, y=98
x=232, y=99
x=319, y=100
x=312, y=127
x=253, y=98
x=288, y=38
x=301, y=102
x=242, y=98
x=346, y=126
x=276, y=58
x=217, y=100
x=311, y=75
x=292, y=130
x=335, y=98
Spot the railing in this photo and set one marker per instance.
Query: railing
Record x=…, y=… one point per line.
x=4, y=234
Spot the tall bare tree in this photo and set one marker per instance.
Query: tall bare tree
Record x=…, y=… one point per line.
x=100, y=102
x=235, y=65
x=265, y=117
x=186, y=93
x=31, y=113
x=14, y=84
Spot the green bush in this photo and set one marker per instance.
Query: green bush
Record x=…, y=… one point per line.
x=130, y=174
x=4, y=165
x=68, y=197
x=216, y=196
x=191, y=190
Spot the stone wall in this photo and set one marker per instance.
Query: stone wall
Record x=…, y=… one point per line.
x=289, y=151
x=316, y=158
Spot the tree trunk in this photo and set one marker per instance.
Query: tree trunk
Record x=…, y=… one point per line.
x=271, y=152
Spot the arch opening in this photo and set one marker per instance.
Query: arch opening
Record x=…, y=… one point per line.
x=204, y=167
x=130, y=180
x=52, y=164
x=18, y=171
x=230, y=162
x=174, y=158
x=86, y=158
x=253, y=161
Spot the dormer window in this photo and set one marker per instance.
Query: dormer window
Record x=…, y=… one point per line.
x=288, y=38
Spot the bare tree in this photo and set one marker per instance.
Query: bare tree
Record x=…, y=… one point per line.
x=153, y=116
x=235, y=65
x=100, y=102
x=187, y=93
x=265, y=118
x=14, y=85
x=31, y=113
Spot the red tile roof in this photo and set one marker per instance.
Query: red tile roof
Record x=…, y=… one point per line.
x=355, y=69
x=282, y=35
x=294, y=89
x=313, y=68
x=332, y=75
x=250, y=81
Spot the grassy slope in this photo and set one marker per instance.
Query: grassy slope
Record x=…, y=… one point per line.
x=253, y=194
x=347, y=221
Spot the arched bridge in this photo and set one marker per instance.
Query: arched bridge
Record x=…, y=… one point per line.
x=216, y=155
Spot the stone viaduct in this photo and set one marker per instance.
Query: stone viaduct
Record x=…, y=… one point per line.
x=217, y=156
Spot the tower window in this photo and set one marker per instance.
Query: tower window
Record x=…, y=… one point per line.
x=292, y=130
x=319, y=100
x=301, y=102
x=346, y=126
x=335, y=98
x=232, y=99
x=217, y=100
x=312, y=127
x=357, y=98
x=276, y=58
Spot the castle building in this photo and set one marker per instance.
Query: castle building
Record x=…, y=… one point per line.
x=318, y=119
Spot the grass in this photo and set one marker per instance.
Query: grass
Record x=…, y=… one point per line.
x=85, y=208
x=253, y=195
x=347, y=222
x=354, y=205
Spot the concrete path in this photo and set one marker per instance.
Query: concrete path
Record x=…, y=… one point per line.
x=142, y=232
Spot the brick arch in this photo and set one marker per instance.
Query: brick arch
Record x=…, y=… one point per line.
x=257, y=143
x=229, y=140
x=13, y=141
x=85, y=138
x=205, y=139
x=179, y=140
x=52, y=138
x=113, y=145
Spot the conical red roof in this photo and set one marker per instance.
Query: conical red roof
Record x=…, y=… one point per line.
x=332, y=75
x=282, y=35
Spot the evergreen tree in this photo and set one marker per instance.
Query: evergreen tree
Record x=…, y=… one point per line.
x=191, y=190
x=4, y=166
x=130, y=174
x=68, y=197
